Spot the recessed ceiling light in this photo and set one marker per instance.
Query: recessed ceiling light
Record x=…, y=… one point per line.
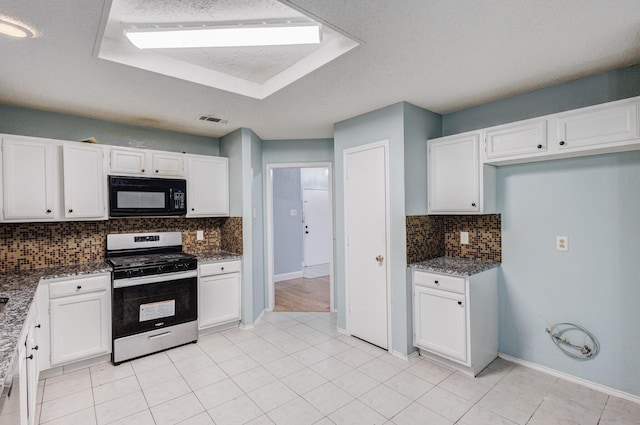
x=225, y=36
x=15, y=29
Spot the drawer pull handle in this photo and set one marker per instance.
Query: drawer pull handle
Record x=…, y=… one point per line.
x=562, y=143
x=222, y=268
x=48, y=211
x=160, y=335
x=79, y=287
x=30, y=357
x=437, y=283
x=35, y=348
x=460, y=303
x=142, y=171
x=539, y=146
x=38, y=326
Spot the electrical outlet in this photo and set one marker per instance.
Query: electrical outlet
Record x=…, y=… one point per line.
x=562, y=243
x=464, y=238
x=200, y=235
x=293, y=213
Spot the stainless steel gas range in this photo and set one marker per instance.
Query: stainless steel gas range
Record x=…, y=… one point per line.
x=154, y=304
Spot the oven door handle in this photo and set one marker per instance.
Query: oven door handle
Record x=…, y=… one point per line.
x=144, y=280
x=160, y=335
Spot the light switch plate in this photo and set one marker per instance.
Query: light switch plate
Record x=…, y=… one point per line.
x=200, y=235
x=464, y=238
x=293, y=213
x=562, y=243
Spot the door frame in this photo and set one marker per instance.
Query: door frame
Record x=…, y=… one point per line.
x=385, y=144
x=269, y=224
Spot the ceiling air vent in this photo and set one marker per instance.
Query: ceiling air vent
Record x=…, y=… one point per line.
x=211, y=118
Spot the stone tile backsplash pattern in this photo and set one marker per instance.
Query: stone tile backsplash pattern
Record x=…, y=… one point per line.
x=431, y=236
x=26, y=246
x=485, y=236
x=425, y=238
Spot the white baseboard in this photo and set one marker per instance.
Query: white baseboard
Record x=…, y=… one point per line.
x=403, y=356
x=343, y=331
x=589, y=384
x=287, y=276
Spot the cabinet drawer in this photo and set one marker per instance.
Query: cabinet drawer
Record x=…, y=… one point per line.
x=79, y=286
x=219, y=268
x=439, y=281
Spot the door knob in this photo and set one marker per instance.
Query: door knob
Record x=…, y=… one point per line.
x=379, y=258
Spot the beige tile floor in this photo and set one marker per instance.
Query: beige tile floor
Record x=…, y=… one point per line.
x=296, y=369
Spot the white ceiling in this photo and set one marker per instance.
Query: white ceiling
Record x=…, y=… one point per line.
x=437, y=54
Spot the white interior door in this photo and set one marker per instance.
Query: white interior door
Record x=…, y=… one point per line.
x=316, y=226
x=366, y=206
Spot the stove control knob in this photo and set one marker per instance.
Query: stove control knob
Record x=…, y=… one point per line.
x=160, y=269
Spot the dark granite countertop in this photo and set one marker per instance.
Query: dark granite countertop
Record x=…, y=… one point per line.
x=214, y=256
x=454, y=266
x=20, y=287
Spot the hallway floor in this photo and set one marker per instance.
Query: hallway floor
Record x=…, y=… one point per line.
x=297, y=369
x=302, y=295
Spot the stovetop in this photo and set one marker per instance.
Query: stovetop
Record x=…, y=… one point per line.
x=149, y=259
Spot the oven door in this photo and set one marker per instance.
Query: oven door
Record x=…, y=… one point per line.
x=153, y=302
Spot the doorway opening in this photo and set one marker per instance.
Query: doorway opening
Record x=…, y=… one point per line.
x=300, y=237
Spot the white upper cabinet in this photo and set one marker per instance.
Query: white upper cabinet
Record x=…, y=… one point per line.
x=128, y=161
x=167, y=164
x=84, y=181
x=31, y=179
x=138, y=162
x=517, y=139
x=602, y=125
x=207, y=186
x=456, y=177
x=606, y=128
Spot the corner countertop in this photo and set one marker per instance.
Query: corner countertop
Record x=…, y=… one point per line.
x=20, y=287
x=214, y=256
x=454, y=266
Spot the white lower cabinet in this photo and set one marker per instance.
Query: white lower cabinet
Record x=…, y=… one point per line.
x=441, y=322
x=79, y=318
x=455, y=319
x=219, y=289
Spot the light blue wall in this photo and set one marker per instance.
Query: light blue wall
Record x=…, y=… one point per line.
x=287, y=230
x=419, y=125
x=385, y=123
x=595, y=202
x=601, y=88
x=257, y=228
x=29, y=122
x=292, y=151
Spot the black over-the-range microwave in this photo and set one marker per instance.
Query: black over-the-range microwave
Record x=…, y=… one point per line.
x=146, y=197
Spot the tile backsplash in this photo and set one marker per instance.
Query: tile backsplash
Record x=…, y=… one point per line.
x=431, y=236
x=425, y=237
x=485, y=236
x=25, y=246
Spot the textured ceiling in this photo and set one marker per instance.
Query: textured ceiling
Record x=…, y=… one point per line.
x=437, y=54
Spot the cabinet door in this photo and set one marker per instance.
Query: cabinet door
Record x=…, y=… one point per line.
x=167, y=164
x=128, y=161
x=524, y=138
x=440, y=323
x=29, y=179
x=218, y=299
x=601, y=125
x=73, y=339
x=84, y=181
x=208, y=186
x=454, y=176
